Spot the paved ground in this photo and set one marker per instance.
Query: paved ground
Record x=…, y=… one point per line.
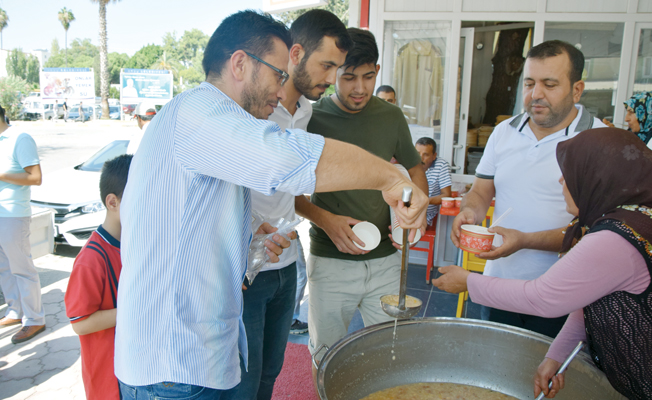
x=49, y=366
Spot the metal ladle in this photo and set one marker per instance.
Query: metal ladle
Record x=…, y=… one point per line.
x=387, y=302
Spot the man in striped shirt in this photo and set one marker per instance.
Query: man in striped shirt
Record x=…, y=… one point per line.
x=438, y=173
x=187, y=212
x=320, y=44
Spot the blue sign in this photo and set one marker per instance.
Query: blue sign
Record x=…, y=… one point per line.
x=145, y=84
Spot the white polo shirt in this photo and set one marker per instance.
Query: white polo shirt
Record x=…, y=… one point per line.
x=526, y=177
x=280, y=204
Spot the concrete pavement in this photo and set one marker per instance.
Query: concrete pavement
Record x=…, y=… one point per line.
x=48, y=366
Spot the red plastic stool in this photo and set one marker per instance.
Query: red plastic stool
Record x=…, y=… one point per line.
x=429, y=237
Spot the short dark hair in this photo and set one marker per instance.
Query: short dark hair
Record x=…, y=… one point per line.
x=245, y=30
x=364, y=51
x=310, y=28
x=113, y=178
x=426, y=141
x=385, y=89
x=552, y=48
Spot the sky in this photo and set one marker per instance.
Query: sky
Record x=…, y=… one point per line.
x=131, y=24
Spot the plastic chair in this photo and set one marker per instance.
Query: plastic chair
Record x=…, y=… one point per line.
x=429, y=237
x=474, y=264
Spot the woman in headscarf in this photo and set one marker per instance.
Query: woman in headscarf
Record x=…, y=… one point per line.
x=604, y=280
x=639, y=115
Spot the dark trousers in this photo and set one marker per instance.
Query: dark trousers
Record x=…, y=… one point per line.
x=267, y=315
x=545, y=326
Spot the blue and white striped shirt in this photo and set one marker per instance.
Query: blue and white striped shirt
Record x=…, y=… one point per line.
x=439, y=177
x=186, y=231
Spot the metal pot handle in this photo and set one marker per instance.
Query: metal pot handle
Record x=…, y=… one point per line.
x=313, y=355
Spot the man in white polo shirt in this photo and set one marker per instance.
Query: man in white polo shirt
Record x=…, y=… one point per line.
x=520, y=169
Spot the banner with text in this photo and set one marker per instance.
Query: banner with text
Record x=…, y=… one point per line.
x=67, y=83
x=137, y=85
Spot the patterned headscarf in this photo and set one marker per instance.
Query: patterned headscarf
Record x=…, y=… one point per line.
x=607, y=172
x=641, y=103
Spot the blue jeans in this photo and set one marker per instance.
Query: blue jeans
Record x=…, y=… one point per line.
x=168, y=390
x=267, y=316
x=302, y=279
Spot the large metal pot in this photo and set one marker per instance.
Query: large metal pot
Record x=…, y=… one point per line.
x=465, y=351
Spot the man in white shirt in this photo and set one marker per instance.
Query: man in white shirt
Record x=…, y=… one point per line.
x=19, y=170
x=144, y=113
x=520, y=169
x=320, y=43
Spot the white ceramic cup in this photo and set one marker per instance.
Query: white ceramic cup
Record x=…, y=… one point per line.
x=368, y=233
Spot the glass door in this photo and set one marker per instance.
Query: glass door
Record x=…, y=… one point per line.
x=462, y=102
x=640, y=77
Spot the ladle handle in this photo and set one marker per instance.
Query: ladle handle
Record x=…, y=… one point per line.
x=564, y=366
x=405, y=253
x=407, y=196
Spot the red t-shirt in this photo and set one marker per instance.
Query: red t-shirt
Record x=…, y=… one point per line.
x=93, y=286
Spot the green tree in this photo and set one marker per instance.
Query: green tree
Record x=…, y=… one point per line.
x=104, y=59
x=337, y=7
x=191, y=44
x=117, y=61
x=33, y=71
x=169, y=64
x=66, y=17
x=171, y=46
x=11, y=88
x=54, y=48
x=81, y=54
x=17, y=63
x=24, y=66
x=114, y=93
x=4, y=21
x=145, y=57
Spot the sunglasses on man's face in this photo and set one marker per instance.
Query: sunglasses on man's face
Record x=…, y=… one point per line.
x=284, y=76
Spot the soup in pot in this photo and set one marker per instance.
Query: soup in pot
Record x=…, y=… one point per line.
x=437, y=391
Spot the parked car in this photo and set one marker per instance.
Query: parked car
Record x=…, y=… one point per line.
x=128, y=109
x=32, y=109
x=75, y=196
x=114, y=112
x=50, y=112
x=74, y=113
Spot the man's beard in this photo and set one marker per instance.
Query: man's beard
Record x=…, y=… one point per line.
x=253, y=98
x=556, y=115
x=303, y=81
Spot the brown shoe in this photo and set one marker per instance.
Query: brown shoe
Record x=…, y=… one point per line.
x=27, y=333
x=4, y=321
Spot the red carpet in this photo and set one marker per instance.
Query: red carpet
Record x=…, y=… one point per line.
x=295, y=380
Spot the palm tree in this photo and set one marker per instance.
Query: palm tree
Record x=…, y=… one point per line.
x=4, y=21
x=66, y=17
x=104, y=59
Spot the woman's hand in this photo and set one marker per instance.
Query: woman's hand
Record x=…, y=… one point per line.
x=512, y=242
x=546, y=371
x=452, y=280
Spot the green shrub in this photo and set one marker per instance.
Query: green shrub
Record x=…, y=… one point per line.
x=10, y=89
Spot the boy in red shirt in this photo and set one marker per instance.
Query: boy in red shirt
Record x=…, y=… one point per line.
x=91, y=297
